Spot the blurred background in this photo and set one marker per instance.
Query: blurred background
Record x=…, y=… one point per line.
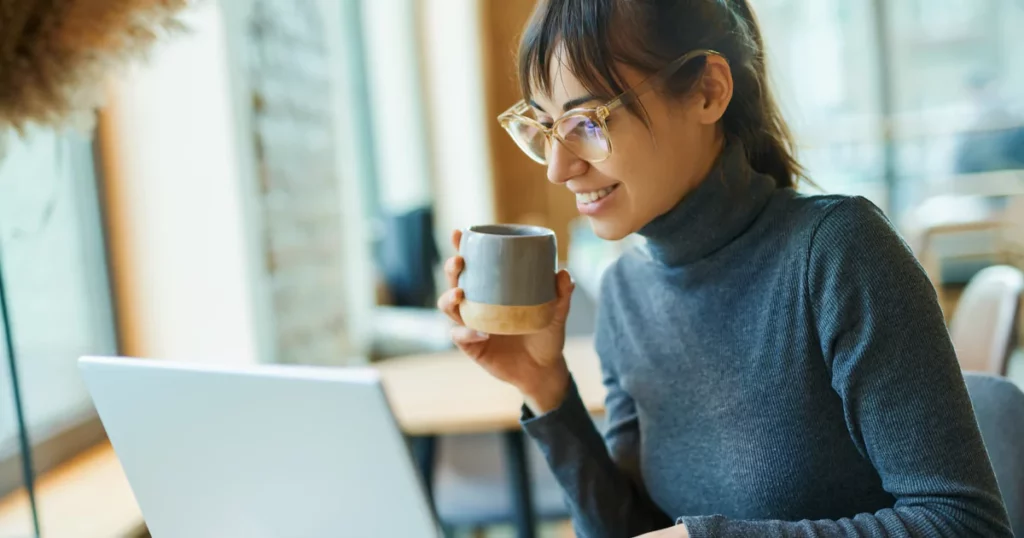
x=278, y=186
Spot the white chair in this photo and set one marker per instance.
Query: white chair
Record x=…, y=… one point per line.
x=985, y=324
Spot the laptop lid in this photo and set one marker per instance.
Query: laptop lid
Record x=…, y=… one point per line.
x=266, y=451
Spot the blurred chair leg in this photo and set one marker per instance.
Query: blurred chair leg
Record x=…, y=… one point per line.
x=519, y=477
x=424, y=453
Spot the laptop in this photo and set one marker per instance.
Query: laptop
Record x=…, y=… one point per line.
x=259, y=452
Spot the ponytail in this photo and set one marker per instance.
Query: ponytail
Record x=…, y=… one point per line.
x=754, y=116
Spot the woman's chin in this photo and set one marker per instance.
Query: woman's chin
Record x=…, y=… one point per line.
x=609, y=229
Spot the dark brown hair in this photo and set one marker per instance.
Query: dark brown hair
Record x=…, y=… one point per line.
x=646, y=35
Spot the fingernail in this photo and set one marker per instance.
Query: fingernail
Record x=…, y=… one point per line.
x=480, y=336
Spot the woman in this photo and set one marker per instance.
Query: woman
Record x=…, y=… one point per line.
x=776, y=364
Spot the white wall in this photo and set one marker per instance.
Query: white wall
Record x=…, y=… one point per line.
x=396, y=90
x=359, y=278
x=461, y=155
x=184, y=277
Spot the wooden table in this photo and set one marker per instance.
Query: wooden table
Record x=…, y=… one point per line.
x=447, y=393
x=87, y=497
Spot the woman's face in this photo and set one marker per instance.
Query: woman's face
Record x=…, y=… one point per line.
x=649, y=170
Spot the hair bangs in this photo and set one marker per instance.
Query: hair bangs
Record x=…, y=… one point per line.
x=577, y=34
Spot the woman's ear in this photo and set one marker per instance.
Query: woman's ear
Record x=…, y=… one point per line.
x=716, y=89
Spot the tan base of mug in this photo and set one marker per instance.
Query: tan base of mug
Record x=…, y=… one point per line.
x=496, y=319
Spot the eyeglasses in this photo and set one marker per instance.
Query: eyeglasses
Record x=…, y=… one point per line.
x=583, y=131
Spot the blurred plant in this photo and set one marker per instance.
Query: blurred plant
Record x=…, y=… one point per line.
x=55, y=54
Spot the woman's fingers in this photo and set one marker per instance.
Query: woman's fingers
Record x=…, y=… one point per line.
x=465, y=335
x=471, y=342
x=565, y=288
x=452, y=268
x=449, y=304
x=456, y=239
x=565, y=285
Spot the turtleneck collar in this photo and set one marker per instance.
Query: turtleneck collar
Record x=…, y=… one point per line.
x=708, y=218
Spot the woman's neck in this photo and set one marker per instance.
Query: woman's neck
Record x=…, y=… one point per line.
x=724, y=203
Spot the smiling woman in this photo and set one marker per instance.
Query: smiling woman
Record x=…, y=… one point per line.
x=560, y=73
x=776, y=363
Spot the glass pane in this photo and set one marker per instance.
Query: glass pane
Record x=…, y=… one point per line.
x=959, y=92
x=15, y=514
x=958, y=126
x=57, y=291
x=823, y=62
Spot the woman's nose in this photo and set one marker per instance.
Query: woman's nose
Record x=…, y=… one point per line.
x=563, y=165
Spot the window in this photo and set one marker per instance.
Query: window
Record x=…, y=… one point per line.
x=902, y=104
x=915, y=104
x=957, y=80
x=51, y=248
x=823, y=61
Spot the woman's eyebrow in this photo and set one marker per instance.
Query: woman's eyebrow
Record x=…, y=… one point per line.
x=573, y=103
x=569, y=105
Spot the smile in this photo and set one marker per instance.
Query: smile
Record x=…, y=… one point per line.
x=594, y=196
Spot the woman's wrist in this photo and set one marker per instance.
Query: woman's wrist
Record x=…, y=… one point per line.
x=550, y=391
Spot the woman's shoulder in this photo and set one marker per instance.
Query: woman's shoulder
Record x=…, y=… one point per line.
x=816, y=210
x=832, y=234
x=848, y=221
x=835, y=221
x=851, y=235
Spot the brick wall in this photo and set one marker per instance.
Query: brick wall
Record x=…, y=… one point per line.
x=293, y=136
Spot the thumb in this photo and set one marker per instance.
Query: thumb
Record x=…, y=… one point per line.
x=565, y=286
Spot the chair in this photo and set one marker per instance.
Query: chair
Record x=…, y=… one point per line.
x=952, y=234
x=1013, y=234
x=985, y=324
x=999, y=409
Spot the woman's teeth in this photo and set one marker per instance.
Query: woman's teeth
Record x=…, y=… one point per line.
x=591, y=197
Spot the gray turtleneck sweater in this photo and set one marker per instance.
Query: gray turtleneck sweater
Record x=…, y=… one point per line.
x=777, y=366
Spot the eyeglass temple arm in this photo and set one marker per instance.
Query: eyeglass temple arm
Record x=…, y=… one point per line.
x=629, y=96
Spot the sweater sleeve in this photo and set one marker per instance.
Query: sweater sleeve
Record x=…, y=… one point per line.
x=905, y=402
x=599, y=475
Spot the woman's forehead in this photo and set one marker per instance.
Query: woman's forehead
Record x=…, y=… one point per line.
x=564, y=87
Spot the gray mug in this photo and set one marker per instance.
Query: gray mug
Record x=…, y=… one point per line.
x=509, y=278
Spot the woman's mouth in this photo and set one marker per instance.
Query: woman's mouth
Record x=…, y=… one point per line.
x=589, y=203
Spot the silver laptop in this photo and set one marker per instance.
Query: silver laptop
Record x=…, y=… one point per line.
x=262, y=452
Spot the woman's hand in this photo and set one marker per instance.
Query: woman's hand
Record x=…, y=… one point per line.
x=533, y=363
x=679, y=531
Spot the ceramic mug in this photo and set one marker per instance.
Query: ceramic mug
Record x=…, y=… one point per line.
x=509, y=278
